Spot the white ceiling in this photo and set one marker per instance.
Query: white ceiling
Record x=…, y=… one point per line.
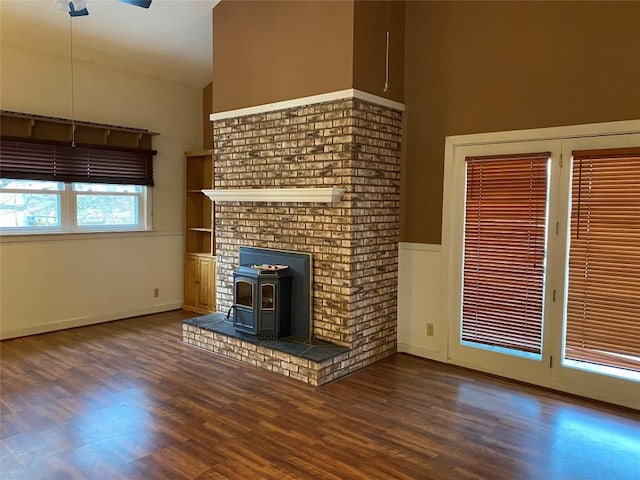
x=171, y=40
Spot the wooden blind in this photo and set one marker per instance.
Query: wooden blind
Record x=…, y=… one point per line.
x=63, y=163
x=504, y=250
x=603, y=309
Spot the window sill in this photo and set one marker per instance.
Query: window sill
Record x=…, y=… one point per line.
x=602, y=369
x=67, y=236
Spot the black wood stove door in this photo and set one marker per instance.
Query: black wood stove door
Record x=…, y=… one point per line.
x=245, y=315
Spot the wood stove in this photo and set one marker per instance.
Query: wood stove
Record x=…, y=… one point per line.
x=262, y=300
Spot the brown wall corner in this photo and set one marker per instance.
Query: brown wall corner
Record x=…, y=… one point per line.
x=269, y=51
x=372, y=20
x=207, y=109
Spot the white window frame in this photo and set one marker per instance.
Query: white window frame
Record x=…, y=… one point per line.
x=69, y=214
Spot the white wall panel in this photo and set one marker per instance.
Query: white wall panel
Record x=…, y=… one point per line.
x=420, y=301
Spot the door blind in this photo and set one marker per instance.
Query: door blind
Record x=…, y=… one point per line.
x=603, y=304
x=504, y=251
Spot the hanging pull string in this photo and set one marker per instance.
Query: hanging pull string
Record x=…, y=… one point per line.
x=386, y=71
x=73, y=113
x=386, y=58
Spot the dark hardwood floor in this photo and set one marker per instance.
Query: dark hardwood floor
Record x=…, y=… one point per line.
x=128, y=400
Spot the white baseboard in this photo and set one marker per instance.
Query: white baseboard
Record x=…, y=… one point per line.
x=83, y=321
x=422, y=352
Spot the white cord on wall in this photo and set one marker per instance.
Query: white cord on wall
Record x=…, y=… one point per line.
x=386, y=73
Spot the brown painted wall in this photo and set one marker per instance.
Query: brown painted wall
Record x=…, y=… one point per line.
x=268, y=51
x=207, y=108
x=475, y=67
x=372, y=19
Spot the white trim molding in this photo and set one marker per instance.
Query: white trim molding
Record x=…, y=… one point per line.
x=298, y=102
x=570, y=131
x=371, y=98
x=306, y=195
x=88, y=320
x=425, y=247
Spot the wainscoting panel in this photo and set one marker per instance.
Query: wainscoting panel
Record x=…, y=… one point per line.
x=420, y=301
x=49, y=284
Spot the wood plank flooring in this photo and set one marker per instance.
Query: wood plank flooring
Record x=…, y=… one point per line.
x=128, y=400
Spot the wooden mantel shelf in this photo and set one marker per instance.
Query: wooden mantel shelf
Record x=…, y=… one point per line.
x=308, y=195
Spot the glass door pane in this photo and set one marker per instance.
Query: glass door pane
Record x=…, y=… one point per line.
x=244, y=294
x=268, y=299
x=504, y=252
x=603, y=294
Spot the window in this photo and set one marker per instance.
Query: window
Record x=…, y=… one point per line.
x=46, y=187
x=504, y=251
x=100, y=205
x=37, y=206
x=30, y=204
x=603, y=297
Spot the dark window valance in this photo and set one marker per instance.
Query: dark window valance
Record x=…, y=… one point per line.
x=41, y=160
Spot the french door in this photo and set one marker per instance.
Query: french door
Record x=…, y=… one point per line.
x=543, y=274
x=597, y=317
x=499, y=258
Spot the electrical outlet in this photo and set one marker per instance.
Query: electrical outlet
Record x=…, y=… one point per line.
x=429, y=329
x=156, y=292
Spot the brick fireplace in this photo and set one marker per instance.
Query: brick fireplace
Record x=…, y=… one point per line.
x=353, y=143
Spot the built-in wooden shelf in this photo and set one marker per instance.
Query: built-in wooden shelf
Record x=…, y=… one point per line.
x=200, y=262
x=18, y=125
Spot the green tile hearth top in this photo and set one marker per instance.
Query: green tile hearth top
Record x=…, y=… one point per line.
x=316, y=351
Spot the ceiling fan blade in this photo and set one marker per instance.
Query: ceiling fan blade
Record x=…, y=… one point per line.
x=78, y=8
x=137, y=3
